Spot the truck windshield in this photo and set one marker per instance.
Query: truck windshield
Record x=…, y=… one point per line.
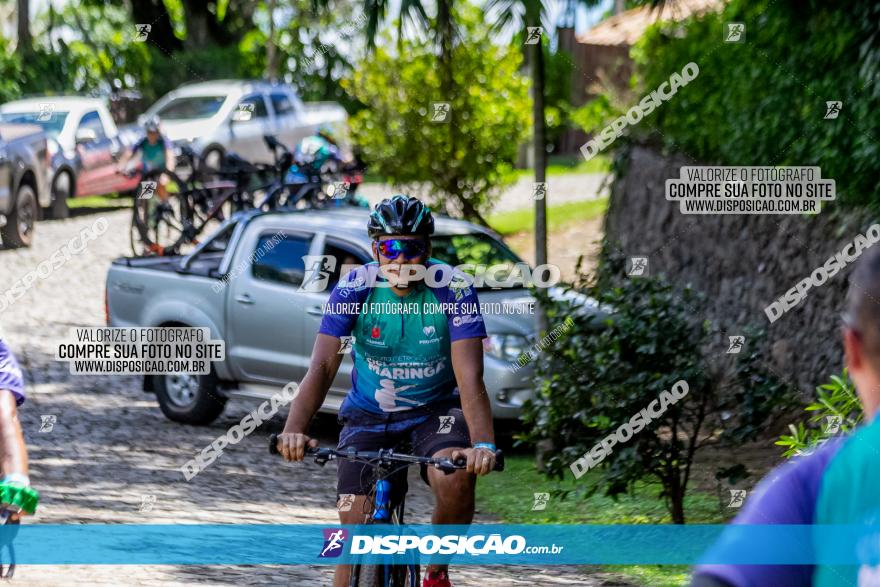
x=50, y=122
x=191, y=107
x=476, y=249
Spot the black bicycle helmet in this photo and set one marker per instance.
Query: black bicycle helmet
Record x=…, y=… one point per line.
x=400, y=215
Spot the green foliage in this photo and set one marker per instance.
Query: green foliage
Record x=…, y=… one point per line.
x=510, y=496
x=463, y=162
x=10, y=73
x=837, y=410
x=603, y=373
x=762, y=102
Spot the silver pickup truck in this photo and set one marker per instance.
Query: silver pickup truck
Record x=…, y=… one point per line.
x=250, y=295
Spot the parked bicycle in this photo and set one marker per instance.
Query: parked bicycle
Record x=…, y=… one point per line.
x=385, y=463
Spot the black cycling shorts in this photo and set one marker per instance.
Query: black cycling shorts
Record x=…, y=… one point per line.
x=421, y=431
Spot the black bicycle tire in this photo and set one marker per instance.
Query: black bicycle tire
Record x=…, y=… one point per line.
x=373, y=575
x=141, y=223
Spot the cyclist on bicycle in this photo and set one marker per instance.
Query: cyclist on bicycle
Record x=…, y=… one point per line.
x=835, y=484
x=412, y=371
x=156, y=152
x=15, y=491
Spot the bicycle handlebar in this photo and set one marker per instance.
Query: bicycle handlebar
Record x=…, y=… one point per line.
x=322, y=455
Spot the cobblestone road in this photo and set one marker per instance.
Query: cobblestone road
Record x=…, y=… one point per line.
x=111, y=442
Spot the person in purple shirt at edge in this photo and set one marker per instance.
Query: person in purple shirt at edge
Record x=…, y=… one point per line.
x=789, y=494
x=15, y=491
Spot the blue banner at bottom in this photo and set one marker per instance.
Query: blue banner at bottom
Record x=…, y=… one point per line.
x=493, y=544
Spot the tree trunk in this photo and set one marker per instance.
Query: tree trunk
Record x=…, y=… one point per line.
x=22, y=8
x=271, y=51
x=540, y=150
x=677, y=510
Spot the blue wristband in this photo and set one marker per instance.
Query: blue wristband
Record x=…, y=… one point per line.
x=486, y=445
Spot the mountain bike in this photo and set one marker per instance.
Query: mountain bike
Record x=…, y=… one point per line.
x=157, y=224
x=385, y=463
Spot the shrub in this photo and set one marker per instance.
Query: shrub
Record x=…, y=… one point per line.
x=462, y=162
x=604, y=372
x=837, y=409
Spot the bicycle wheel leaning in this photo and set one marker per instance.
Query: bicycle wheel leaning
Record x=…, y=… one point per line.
x=160, y=222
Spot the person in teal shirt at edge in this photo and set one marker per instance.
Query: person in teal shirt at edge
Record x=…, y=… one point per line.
x=836, y=484
x=850, y=489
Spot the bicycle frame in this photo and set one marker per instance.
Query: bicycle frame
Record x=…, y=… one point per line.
x=385, y=462
x=383, y=514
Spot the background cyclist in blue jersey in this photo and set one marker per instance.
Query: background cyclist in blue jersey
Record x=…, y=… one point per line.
x=413, y=371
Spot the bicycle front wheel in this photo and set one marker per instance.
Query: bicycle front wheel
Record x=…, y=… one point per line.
x=161, y=212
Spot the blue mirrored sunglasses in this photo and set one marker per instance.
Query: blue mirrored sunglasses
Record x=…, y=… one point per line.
x=411, y=248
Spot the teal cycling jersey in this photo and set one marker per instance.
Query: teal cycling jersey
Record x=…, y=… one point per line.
x=849, y=496
x=402, y=345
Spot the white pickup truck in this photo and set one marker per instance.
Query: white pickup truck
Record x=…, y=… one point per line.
x=217, y=117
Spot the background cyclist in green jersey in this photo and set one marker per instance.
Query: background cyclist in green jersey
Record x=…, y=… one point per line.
x=412, y=372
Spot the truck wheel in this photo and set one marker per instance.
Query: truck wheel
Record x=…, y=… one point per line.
x=62, y=188
x=190, y=399
x=19, y=229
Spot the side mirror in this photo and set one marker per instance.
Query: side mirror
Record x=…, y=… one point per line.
x=85, y=136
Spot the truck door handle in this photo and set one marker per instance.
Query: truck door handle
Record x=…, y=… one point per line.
x=315, y=311
x=244, y=299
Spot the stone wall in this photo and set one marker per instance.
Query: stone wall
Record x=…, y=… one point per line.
x=741, y=263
